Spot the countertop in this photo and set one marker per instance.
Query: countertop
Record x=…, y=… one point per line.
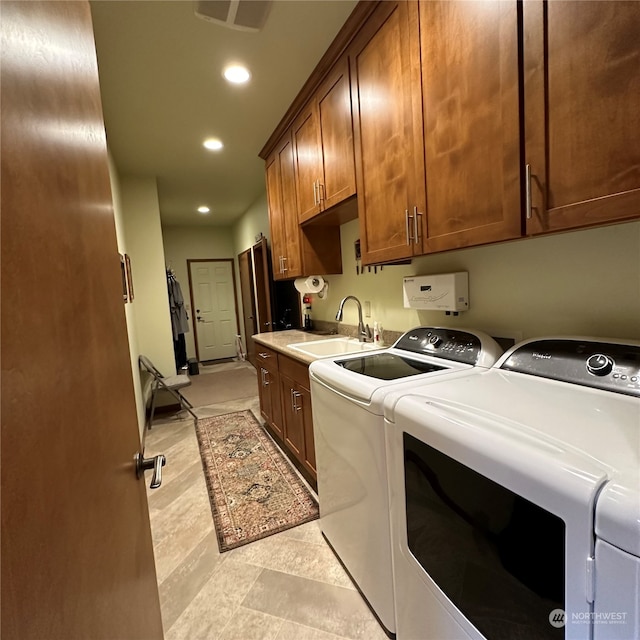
x=279, y=341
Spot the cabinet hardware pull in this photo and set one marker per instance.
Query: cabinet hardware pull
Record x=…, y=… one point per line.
x=296, y=395
x=315, y=197
x=284, y=259
x=321, y=195
x=416, y=226
x=264, y=354
x=407, y=218
x=293, y=402
x=527, y=187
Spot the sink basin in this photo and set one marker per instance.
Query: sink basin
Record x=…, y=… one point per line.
x=332, y=347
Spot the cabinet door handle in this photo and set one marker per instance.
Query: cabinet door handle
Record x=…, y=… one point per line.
x=264, y=373
x=296, y=395
x=407, y=218
x=293, y=401
x=321, y=195
x=284, y=259
x=527, y=190
x=315, y=192
x=264, y=354
x=416, y=225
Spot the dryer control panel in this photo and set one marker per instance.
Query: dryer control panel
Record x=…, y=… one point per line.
x=610, y=366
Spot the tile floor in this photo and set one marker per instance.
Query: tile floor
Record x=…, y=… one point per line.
x=288, y=586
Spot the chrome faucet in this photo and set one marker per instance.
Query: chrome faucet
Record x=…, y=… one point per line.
x=364, y=333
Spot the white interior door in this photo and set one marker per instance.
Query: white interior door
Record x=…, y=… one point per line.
x=213, y=298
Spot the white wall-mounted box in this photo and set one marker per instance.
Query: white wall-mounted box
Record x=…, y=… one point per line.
x=440, y=292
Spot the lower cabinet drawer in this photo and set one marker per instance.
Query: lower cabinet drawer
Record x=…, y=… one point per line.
x=297, y=371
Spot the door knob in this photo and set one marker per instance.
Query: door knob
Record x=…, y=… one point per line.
x=156, y=463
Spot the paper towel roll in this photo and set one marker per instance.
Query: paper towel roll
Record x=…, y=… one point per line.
x=312, y=284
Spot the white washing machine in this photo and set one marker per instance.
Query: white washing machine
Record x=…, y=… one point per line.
x=347, y=401
x=515, y=497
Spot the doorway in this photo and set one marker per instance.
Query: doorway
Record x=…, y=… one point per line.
x=212, y=288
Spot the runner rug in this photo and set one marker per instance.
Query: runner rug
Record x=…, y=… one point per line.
x=253, y=490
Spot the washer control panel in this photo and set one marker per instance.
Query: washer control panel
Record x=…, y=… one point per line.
x=603, y=365
x=451, y=344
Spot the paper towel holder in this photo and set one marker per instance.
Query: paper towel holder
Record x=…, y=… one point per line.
x=312, y=284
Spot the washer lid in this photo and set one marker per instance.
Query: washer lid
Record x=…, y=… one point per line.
x=618, y=511
x=347, y=376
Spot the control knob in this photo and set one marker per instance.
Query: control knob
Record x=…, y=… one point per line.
x=599, y=364
x=435, y=340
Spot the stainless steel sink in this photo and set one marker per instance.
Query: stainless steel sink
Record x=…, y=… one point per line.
x=332, y=347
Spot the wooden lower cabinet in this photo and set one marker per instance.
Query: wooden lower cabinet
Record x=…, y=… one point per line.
x=285, y=404
x=269, y=389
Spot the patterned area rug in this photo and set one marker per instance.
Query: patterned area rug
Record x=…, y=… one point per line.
x=253, y=491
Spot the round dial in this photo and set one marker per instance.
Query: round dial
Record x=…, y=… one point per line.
x=435, y=340
x=599, y=364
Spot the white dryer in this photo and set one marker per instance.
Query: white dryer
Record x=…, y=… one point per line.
x=515, y=497
x=347, y=402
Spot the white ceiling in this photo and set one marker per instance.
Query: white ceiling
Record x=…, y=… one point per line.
x=163, y=93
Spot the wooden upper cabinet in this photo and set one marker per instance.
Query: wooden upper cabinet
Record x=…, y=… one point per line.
x=471, y=115
x=336, y=136
x=296, y=251
x=274, y=203
x=385, y=89
x=281, y=198
x=323, y=146
x=582, y=112
x=306, y=144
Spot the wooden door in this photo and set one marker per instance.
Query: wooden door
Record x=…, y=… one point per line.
x=471, y=122
x=77, y=558
x=385, y=90
x=247, y=293
x=262, y=282
x=212, y=286
x=308, y=165
x=336, y=137
x=582, y=112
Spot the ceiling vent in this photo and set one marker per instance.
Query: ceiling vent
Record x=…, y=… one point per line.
x=246, y=15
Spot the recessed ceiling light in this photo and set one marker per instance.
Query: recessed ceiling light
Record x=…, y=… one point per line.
x=213, y=144
x=203, y=209
x=237, y=74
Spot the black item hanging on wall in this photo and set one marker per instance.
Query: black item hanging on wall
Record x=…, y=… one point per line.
x=179, y=319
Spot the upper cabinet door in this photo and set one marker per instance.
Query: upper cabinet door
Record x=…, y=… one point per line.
x=323, y=146
x=292, y=259
x=336, y=137
x=276, y=222
x=385, y=90
x=471, y=122
x=308, y=165
x=582, y=112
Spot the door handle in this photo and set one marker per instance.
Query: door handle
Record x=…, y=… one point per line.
x=156, y=463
